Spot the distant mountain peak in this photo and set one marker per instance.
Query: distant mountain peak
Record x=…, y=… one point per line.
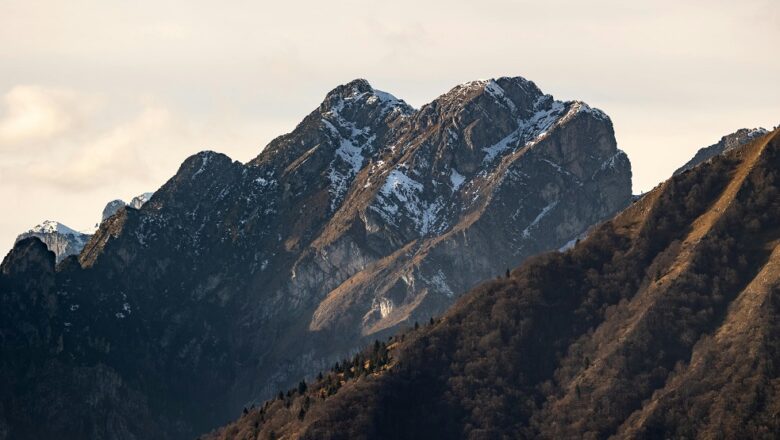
x=60, y=239
x=115, y=205
x=726, y=143
x=111, y=208
x=51, y=226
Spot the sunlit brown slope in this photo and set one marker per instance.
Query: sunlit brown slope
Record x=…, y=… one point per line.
x=663, y=323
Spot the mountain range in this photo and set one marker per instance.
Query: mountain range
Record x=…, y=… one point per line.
x=236, y=280
x=662, y=323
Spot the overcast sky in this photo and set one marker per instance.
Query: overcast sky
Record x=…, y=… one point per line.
x=104, y=99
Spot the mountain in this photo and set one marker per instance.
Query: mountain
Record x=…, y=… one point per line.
x=662, y=323
x=726, y=143
x=60, y=239
x=235, y=279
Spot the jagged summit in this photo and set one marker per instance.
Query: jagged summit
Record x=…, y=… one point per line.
x=496, y=87
x=349, y=100
x=111, y=208
x=204, y=161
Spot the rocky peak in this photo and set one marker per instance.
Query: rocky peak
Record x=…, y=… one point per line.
x=204, y=164
x=358, y=95
x=115, y=205
x=205, y=169
x=356, y=113
x=111, y=208
x=351, y=120
x=198, y=184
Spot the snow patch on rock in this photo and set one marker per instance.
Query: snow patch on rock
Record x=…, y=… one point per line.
x=546, y=210
x=456, y=179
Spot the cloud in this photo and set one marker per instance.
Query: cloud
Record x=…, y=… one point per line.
x=71, y=139
x=120, y=152
x=35, y=113
x=77, y=141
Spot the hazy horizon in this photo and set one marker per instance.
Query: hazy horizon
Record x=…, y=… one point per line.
x=104, y=100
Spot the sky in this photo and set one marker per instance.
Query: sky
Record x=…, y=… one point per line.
x=103, y=99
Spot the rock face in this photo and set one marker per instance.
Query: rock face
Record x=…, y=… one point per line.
x=726, y=143
x=60, y=239
x=235, y=280
x=662, y=323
